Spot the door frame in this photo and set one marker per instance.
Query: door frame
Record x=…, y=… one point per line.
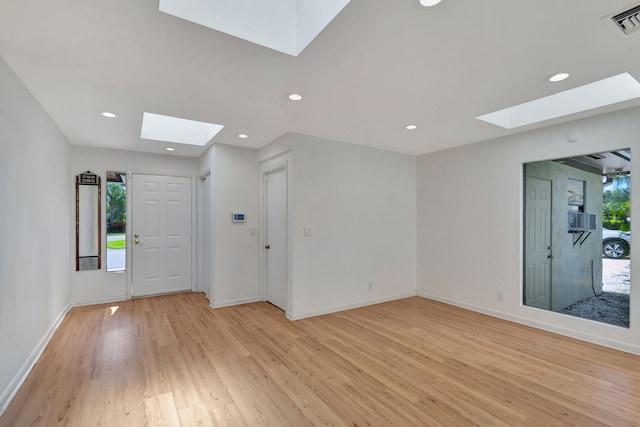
x=267, y=167
x=129, y=225
x=204, y=223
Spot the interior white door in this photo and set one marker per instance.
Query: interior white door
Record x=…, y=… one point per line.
x=276, y=238
x=161, y=227
x=538, y=243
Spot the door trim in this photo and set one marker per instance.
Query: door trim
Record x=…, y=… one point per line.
x=270, y=166
x=205, y=280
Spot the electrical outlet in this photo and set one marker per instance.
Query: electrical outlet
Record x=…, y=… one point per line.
x=370, y=285
x=499, y=296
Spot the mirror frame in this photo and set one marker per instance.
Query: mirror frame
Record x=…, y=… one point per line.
x=90, y=179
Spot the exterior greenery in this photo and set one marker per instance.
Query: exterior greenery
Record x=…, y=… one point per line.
x=116, y=244
x=116, y=207
x=616, y=204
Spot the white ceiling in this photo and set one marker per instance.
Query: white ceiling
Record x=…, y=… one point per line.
x=378, y=66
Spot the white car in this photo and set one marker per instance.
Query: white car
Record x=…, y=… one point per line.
x=615, y=243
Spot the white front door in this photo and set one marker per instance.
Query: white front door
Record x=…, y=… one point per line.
x=538, y=243
x=161, y=228
x=276, y=238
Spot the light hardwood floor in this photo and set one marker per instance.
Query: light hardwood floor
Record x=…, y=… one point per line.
x=173, y=361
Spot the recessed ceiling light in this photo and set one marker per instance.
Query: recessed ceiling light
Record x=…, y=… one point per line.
x=109, y=115
x=243, y=136
x=170, y=149
x=555, y=78
x=428, y=3
x=295, y=97
x=173, y=129
x=411, y=127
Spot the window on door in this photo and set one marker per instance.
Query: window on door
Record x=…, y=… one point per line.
x=116, y=221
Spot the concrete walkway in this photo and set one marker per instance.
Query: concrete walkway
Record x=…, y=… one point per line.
x=616, y=275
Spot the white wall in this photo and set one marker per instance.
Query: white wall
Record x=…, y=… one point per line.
x=235, y=252
x=95, y=286
x=470, y=223
x=34, y=222
x=360, y=204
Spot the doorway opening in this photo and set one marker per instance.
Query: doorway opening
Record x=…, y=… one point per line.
x=275, y=220
x=577, y=249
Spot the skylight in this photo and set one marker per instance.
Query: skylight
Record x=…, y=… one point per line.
x=287, y=26
x=612, y=90
x=173, y=129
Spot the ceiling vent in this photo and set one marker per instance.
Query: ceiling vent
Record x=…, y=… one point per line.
x=628, y=21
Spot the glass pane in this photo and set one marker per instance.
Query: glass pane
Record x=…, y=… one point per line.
x=116, y=221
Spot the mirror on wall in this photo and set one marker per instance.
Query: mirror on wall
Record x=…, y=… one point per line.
x=116, y=221
x=577, y=244
x=87, y=221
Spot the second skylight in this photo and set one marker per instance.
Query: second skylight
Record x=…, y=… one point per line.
x=601, y=93
x=174, y=129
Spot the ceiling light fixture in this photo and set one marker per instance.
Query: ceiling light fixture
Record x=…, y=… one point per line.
x=243, y=136
x=109, y=115
x=170, y=149
x=295, y=97
x=428, y=3
x=555, y=78
x=410, y=127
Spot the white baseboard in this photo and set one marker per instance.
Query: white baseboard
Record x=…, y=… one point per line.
x=19, y=378
x=335, y=309
x=229, y=303
x=549, y=327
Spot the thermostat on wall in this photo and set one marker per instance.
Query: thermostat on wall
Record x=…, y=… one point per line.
x=238, y=217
